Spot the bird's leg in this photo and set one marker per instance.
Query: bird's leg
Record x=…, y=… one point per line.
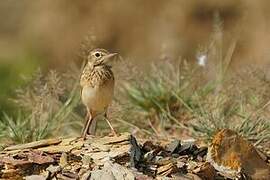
x=88, y=123
x=86, y=120
x=93, y=125
x=107, y=120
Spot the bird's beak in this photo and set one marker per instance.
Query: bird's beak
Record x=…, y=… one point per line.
x=108, y=57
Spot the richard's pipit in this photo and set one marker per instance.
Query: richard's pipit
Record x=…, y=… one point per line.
x=97, y=82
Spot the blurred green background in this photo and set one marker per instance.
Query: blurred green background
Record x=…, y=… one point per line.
x=48, y=34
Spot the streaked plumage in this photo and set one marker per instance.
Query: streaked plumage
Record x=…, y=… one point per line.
x=97, y=82
x=96, y=76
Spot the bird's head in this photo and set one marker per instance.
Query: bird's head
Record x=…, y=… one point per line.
x=99, y=57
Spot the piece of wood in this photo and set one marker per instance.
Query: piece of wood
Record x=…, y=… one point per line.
x=36, y=144
x=118, y=157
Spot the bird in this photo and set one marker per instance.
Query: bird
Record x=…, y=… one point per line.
x=97, y=88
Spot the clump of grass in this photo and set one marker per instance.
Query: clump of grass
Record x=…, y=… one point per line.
x=20, y=129
x=227, y=106
x=171, y=97
x=218, y=112
x=153, y=98
x=179, y=94
x=47, y=109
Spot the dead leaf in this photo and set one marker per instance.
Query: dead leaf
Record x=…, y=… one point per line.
x=232, y=155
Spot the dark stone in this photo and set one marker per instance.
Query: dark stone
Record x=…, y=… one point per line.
x=136, y=154
x=202, y=151
x=148, y=146
x=173, y=147
x=187, y=149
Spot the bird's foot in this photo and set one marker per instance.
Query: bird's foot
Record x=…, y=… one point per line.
x=87, y=136
x=113, y=133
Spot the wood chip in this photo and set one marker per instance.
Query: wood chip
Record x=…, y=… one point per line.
x=206, y=171
x=166, y=169
x=57, y=149
x=35, y=177
x=119, y=172
x=102, y=174
x=63, y=160
x=107, y=140
x=38, y=158
x=33, y=145
x=15, y=162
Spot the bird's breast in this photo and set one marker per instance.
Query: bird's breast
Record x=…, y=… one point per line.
x=98, y=97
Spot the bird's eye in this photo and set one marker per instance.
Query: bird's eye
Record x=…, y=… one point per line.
x=97, y=55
